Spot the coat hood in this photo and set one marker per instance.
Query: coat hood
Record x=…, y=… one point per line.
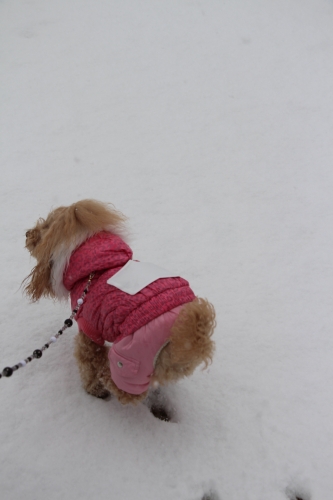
x=100, y=252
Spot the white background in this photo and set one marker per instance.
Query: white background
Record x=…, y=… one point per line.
x=209, y=124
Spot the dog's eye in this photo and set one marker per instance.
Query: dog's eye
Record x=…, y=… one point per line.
x=27, y=234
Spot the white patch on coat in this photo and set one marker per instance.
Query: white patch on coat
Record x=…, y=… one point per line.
x=159, y=352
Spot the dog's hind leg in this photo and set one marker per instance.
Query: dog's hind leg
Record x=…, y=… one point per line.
x=92, y=360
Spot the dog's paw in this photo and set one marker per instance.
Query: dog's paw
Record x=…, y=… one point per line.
x=98, y=391
x=210, y=495
x=160, y=413
x=104, y=394
x=159, y=405
x=297, y=493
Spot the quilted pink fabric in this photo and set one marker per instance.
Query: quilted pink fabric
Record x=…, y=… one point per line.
x=108, y=314
x=132, y=359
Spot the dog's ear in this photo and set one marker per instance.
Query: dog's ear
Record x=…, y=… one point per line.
x=190, y=343
x=64, y=225
x=39, y=281
x=96, y=216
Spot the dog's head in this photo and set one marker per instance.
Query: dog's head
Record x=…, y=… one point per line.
x=190, y=343
x=52, y=240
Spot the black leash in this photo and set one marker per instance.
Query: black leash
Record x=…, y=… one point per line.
x=8, y=371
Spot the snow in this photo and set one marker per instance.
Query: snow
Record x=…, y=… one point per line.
x=209, y=124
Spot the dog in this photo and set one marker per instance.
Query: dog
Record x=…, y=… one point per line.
x=160, y=333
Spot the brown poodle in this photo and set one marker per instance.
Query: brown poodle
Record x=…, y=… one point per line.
x=160, y=333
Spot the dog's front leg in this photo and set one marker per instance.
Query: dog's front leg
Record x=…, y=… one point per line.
x=93, y=362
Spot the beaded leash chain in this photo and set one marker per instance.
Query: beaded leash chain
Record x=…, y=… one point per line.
x=8, y=371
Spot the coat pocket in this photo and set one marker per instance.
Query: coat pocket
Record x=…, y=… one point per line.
x=123, y=367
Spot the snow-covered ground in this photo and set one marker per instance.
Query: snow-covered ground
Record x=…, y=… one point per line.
x=210, y=125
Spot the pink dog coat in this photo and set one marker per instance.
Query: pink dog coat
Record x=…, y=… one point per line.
x=138, y=325
x=132, y=359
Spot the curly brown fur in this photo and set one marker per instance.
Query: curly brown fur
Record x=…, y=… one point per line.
x=52, y=241
x=93, y=363
x=62, y=231
x=190, y=343
x=92, y=360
